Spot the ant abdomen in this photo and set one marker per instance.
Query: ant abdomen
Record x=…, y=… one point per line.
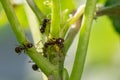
x=19, y=49
x=35, y=67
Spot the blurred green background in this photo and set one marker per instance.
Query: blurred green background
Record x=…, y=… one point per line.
x=102, y=61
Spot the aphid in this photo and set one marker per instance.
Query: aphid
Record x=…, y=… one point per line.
x=45, y=21
x=58, y=42
x=35, y=67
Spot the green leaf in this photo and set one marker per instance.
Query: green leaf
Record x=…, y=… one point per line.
x=115, y=19
x=116, y=22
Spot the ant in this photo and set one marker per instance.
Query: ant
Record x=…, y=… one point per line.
x=19, y=49
x=35, y=67
x=58, y=41
x=44, y=24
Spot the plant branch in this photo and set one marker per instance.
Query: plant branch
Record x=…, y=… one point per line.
x=72, y=20
x=55, y=22
x=15, y=25
x=109, y=10
x=113, y=10
x=33, y=24
x=84, y=34
x=71, y=35
x=65, y=74
x=43, y=63
x=36, y=10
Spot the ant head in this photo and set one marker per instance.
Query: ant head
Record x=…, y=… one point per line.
x=59, y=40
x=46, y=20
x=29, y=45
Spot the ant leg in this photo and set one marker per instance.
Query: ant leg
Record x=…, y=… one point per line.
x=30, y=61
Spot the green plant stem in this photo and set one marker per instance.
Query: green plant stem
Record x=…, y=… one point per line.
x=83, y=40
x=43, y=63
x=55, y=22
x=113, y=10
x=71, y=35
x=33, y=24
x=15, y=25
x=72, y=20
x=36, y=35
x=36, y=10
x=65, y=75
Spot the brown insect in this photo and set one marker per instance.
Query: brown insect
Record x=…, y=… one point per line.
x=19, y=49
x=35, y=67
x=44, y=24
x=58, y=41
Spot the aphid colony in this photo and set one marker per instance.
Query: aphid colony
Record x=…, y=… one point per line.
x=51, y=42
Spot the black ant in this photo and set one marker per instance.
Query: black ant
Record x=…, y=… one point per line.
x=19, y=49
x=28, y=45
x=45, y=21
x=35, y=67
x=58, y=41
